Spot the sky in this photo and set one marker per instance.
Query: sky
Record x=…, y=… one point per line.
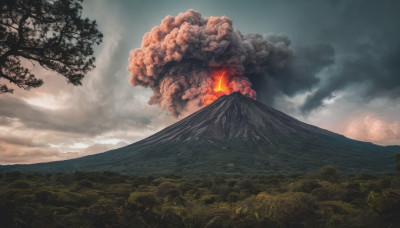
x=344, y=76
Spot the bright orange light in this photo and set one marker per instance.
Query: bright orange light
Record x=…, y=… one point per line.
x=220, y=87
x=222, y=84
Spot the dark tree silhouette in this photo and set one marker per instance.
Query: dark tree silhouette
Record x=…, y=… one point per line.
x=397, y=158
x=51, y=33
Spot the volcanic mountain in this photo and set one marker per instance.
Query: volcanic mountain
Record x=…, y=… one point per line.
x=238, y=135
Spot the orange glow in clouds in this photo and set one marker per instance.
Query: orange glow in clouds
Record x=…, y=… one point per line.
x=221, y=86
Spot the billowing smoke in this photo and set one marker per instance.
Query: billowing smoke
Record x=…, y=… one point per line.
x=182, y=59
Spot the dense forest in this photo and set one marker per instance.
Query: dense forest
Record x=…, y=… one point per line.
x=327, y=198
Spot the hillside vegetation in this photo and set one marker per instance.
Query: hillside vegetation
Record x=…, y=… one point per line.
x=327, y=198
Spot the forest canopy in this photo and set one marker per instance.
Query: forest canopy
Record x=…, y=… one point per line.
x=328, y=198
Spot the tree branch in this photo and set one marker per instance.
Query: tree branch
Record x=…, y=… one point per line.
x=24, y=33
x=21, y=28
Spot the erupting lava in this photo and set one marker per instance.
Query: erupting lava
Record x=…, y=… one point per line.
x=225, y=84
x=221, y=87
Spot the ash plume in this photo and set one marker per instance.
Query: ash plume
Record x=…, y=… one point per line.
x=177, y=60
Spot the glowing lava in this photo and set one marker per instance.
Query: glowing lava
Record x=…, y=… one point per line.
x=221, y=86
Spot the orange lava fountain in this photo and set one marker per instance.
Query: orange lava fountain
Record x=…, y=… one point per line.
x=221, y=87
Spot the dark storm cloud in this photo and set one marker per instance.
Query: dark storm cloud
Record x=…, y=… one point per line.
x=367, y=38
x=374, y=76
x=299, y=75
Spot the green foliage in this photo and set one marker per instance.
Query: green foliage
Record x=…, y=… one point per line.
x=397, y=158
x=287, y=209
x=329, y=172
x=45, y=197
x=167, y=189
x=329, y=191
x=306, y=185
x=63, y=178
x=233, y=197
x=208, y=199
x=386, y=203
x=142, y=200
x=101, y=216
x=107, y=199
x=11, y=176
x=85, y=184
x=21, y=184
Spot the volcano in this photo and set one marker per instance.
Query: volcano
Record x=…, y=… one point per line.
x=233, y=135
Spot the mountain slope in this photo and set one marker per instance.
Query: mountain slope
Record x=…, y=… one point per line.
x=234, y=134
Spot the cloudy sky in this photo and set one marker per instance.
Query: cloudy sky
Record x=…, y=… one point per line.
x=346, y=76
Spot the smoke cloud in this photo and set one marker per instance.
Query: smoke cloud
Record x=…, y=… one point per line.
x=373, y=73
x=180, y=60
